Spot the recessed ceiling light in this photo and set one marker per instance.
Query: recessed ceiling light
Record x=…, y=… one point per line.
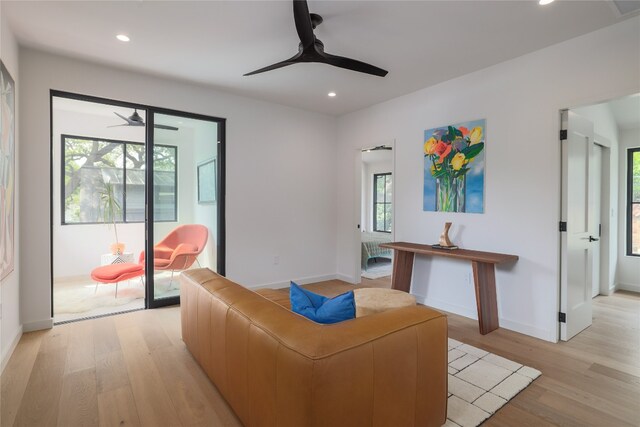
x=544, y=2
x=331, y=94
x=123, y=37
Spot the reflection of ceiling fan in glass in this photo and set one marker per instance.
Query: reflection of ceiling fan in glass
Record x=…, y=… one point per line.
x=136, y=120
x=378, y=148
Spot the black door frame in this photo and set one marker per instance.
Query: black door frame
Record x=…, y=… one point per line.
x=149, y=144
x=220, y=190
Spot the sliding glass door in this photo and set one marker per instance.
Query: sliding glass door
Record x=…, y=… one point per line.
x=137, y=198
x=185, y=196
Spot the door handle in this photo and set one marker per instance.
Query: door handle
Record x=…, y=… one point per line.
x=593, y=239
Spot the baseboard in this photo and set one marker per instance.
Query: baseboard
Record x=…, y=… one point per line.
x=447, y=306
x=38, y=325
x=6, y=354
x=529, y=330
x=348, y=279
x=299, y=281
x=471, y=313
x=627, y=287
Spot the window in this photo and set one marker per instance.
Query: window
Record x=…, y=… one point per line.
x=382, y=202
x=633, y=202
x=91, y=166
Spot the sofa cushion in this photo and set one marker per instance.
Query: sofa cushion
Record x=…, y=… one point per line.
x=320, y=308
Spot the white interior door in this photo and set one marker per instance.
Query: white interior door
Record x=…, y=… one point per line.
x=594, y=216
x=577, y=242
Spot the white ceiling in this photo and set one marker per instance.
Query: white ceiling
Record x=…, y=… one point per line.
x=421, y=43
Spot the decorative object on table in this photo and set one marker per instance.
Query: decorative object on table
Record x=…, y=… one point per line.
x=122, y=258
x=454, y=168
x=207, y=182
x=110, y=208
x=7, y=171
x=444, y=242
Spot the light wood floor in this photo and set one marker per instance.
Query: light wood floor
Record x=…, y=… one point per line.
x=133, y=369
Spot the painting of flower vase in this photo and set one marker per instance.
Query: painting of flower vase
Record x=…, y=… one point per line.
x=454, y=168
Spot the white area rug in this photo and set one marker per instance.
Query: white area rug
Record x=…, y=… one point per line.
x=480, y=383
x=375, y=270
x=79, y=299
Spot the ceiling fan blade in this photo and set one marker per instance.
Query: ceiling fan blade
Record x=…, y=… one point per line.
x=115, y=126
x=126, y=119
x=304, y=27
x=277, y=65
x=351, y=64
x=165, y=127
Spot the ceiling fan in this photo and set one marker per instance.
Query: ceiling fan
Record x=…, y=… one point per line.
x=377, y=148
x=136, y=120
x=311, y=49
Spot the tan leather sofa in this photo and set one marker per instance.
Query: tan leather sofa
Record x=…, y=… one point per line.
x=277, y=368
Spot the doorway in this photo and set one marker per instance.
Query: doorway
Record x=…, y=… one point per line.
x=124, y=184
x=376, y=171
x=594, y=199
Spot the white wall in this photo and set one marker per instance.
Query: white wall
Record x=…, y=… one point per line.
x=604, y=125
x=628, y=275
x=10, y=316
x=521, y=100
x=281, y=183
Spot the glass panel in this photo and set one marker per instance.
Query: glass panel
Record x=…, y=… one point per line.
x=635, y=192
x=380, y=217
x=185, y=224
x=93, y=181
x=135, y=169
x=387, y=224
x=164, y=185
x=91, y=190
x=388, y=189
x=379, y=188
x=635, y=229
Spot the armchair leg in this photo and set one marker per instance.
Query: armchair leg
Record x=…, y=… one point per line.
x=117, y=289
x=96, y=290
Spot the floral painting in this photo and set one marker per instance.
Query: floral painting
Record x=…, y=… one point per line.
x=454, y=168
x=7, y=170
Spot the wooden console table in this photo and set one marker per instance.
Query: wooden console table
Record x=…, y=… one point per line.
x=484, y=275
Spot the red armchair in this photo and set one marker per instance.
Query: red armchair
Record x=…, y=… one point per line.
x=180, y=248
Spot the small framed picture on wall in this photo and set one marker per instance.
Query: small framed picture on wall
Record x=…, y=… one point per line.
x=207, y=182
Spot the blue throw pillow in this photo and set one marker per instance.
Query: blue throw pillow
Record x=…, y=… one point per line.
x=320, y=308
